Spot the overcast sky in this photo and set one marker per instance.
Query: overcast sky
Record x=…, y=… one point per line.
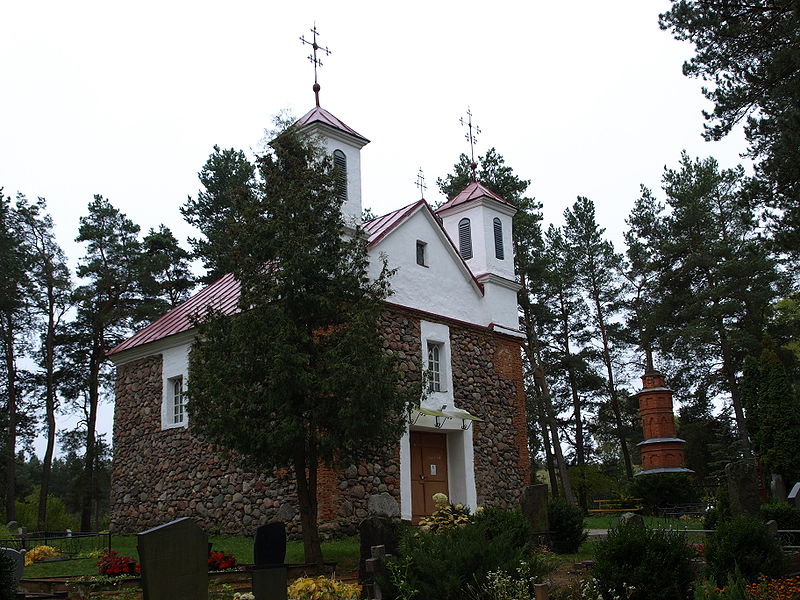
x=127, y=99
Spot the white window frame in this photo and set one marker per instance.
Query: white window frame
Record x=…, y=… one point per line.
x=177, y=400
x=174, y=367
x=437, y=334
x=434, y=366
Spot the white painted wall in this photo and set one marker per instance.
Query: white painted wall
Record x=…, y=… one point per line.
x=175, y=363
x=332, y=140
x=443, y=286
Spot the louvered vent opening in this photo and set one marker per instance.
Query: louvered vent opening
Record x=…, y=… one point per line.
x=465, y=239
x=498, y=239
x=340, y=166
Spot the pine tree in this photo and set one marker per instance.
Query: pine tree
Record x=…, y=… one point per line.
x=51, y=287
x=14, y=323
x=107, y=305
x=167, y=278
x=528, y=243
x=306, y=380
x=599, y=268
x=229, y=181
x=748, y=50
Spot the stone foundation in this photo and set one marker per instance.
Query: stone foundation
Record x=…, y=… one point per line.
x=160, y=475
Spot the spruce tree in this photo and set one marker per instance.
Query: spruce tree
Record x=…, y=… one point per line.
x=298, y=377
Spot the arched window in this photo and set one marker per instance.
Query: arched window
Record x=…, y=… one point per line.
x=465, y=239
x=340, y=169
x=434, y=368
x=498, y=239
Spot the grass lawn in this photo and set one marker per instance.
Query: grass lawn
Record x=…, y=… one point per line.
x=343, y=551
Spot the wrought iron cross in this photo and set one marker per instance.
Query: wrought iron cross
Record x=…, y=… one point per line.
x=472, y=137
x=317, y=62
x=421, y=184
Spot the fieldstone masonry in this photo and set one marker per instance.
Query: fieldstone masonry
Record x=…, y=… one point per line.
x=163, y=475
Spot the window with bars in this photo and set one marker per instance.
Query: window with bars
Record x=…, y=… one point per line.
x=498, y=239
x=177, y=400
x=434, y=367
x=465, y=239
x=340, y=168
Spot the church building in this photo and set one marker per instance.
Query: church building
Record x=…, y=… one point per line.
x=452, y=318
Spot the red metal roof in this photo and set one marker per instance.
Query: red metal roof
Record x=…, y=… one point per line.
x=378, y=227
x=320, y=115
x=473, y=191
x=222, y=295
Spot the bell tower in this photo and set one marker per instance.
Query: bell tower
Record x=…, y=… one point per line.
x=661, y=450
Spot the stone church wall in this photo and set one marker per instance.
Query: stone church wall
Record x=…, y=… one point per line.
x=159, y=475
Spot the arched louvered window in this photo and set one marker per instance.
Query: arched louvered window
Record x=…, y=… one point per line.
x=340, y=168
x=498, y=239
x=465, y=239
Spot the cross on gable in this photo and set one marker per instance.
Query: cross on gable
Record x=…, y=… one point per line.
x=315, y=60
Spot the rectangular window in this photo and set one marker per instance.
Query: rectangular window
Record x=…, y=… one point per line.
x=435, y=367
x=177, y=400
x=421, y=253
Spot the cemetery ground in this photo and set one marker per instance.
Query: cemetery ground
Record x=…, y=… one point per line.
x=344, y=551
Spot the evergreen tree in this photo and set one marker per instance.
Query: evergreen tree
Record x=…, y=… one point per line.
x=715, y=277
x=229, y=181
x=107, y=305
x=773, y=410
x=299, y=376
x=51, y=286
x=14, y=326
x=598, y=268
x=748, y=50
x=167, y=278
x=530, y=266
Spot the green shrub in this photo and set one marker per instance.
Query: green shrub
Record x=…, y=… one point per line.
x=58, y=519
x=445, y=564
x=746, y=544
x=656, y=563
x=8, y=579
x=658, y=489
x=510, y=524
x=787, y=517
x=566, y=526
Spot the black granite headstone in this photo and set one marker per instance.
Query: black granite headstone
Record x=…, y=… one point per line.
x=269, y=544
x=533, y=503
x=743, y=494
x=174, y=559
x=269, y=583
x=19, y=560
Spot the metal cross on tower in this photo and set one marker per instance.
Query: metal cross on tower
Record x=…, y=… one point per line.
x=472, y=138
x=421, y=184
x=313, y=57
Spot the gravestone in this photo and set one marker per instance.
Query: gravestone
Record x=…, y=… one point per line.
x=743, y=488
x=269, y=544
x=19, y=561
x=383, y=505
x=174, y=559
x=533, y=503
x=631, y=519
x=794, y=495
x=269, y=555
x=375, y=531
x=777, y=487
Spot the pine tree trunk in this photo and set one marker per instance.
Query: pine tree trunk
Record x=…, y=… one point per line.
x=90, y=460
x=306, y=478
x=50, y=407
x=532, y=348
x=612, y=388
x=729, y=372
x=11, y=415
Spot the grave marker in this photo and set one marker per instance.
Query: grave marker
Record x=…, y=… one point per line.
x=174, y=559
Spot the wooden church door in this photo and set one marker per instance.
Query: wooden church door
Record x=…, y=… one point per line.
x=428, y=471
